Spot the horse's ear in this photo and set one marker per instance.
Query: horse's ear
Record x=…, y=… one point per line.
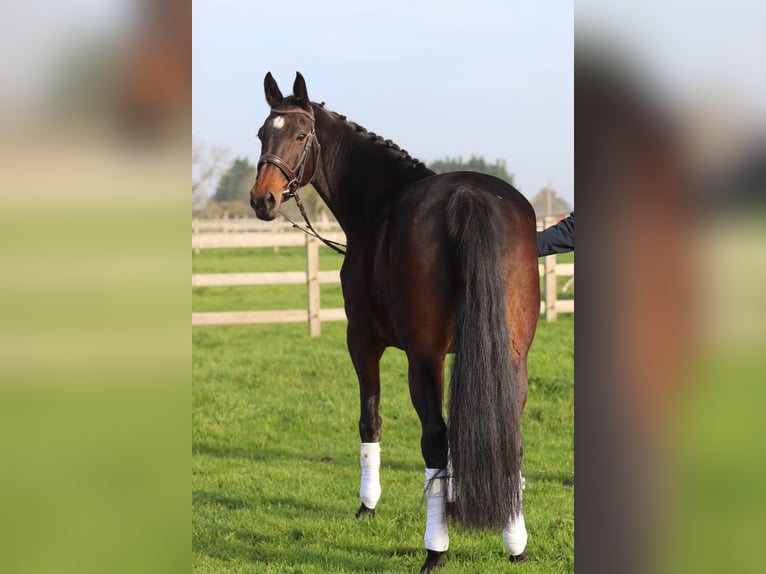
x=299, y=88
x=273, y=93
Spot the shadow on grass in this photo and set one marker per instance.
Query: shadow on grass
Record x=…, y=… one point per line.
x=204, y=497
x=285, y=534
x=287, y=507
x=268, y=454
x=547, y=477
x=276, y=454
x=333, y=557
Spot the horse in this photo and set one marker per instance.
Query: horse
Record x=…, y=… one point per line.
x=434, y=264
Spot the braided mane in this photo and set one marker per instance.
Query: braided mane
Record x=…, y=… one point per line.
x=394, y=150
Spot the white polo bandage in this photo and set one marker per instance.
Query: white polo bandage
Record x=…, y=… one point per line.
x=515, y=535
x=515, y=531
x=369, y=460
x=436, y=537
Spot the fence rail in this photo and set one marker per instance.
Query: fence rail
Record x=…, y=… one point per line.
x=314, y=315
x=272, y=278
x=258, y=239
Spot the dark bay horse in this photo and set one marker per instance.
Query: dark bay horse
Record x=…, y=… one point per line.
x=434, y=264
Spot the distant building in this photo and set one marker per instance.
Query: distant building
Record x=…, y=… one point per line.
x=548, y=203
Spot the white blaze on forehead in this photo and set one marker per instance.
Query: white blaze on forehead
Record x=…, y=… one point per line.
x=278, y=123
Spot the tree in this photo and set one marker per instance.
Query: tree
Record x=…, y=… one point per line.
x=476, y=163
x=236, y=182
x=208, y=162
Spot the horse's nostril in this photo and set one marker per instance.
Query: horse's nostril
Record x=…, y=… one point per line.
x=269, y=200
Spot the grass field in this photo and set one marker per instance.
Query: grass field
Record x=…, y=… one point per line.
x=275, y=445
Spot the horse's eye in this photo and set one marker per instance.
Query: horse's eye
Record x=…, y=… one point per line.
x=301, y=137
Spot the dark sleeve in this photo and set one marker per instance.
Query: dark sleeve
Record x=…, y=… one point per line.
x=558, y=238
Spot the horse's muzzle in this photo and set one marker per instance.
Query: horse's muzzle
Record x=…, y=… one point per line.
x=266, y=206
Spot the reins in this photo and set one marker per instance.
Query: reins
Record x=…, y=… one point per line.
x=294, y=179
x=335, y=246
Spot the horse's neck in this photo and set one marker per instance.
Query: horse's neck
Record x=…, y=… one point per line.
x=360, y=178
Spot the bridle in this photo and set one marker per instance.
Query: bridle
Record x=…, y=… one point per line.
x=295, y=176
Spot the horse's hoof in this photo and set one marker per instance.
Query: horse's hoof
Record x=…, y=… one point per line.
x=434, y=561
x=518, y=558
x=364, y=511
x=569, y=483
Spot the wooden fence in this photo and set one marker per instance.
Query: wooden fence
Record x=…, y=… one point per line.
x=243, y=236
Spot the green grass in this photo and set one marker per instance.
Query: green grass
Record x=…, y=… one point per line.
x=261, y=259
x=261, y=298
x=565, y=257
x=275, y=450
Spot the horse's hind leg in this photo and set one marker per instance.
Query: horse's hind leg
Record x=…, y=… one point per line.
x=515, y=535
x=426, y=378
x=366, y=358
x=515, y=531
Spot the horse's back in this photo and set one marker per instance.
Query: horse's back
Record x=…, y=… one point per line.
x=422, y=257
x=420, y=219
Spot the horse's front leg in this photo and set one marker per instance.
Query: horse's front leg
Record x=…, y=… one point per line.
x=365, y=354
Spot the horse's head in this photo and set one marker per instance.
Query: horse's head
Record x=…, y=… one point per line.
x=288, y=148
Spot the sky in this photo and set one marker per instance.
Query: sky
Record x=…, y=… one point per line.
x=491, y=78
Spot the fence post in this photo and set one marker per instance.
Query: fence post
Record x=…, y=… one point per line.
x=277, y=229
x=195, y=233
x=312, y=283
x=551, y=287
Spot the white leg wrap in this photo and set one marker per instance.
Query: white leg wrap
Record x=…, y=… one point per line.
x=515, y=535
x=515, y=531
x=369, y=460
x=436, y=537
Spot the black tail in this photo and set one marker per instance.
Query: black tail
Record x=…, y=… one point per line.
x=484, y=437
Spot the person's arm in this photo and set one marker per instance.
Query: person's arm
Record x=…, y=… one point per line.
x=558, y=238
